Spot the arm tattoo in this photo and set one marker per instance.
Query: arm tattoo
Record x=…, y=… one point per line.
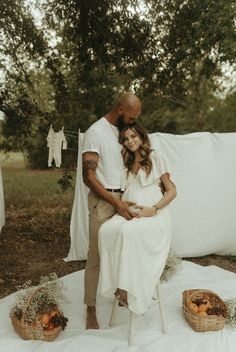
x=89, y=165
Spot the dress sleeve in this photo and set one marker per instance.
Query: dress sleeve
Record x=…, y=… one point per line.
x=160, y=165
x=91, y=141
x=159, y=168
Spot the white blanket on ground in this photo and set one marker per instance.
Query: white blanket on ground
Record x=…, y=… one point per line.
x=204, y=169
x=2, y=211
x=149, y=338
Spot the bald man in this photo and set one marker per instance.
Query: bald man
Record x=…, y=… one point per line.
x=102, y=167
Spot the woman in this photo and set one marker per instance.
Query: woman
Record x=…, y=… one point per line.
x=133, y=252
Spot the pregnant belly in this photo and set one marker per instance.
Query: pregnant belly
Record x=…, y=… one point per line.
x=146, y=196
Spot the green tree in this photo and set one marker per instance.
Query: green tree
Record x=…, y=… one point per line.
x=222, y=117
x=69, y=68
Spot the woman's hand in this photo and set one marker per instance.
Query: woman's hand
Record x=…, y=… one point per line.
x=145, y=211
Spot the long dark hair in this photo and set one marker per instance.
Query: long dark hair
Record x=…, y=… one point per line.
x=145, y=148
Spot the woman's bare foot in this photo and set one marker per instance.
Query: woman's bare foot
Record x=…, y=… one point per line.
x=91, y=319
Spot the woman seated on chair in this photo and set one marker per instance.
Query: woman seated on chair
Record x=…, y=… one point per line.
x=133, y=252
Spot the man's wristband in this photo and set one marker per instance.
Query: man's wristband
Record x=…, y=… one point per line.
x=157, y=209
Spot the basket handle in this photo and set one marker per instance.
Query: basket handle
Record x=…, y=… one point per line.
x=202, y=291
x=29, y=301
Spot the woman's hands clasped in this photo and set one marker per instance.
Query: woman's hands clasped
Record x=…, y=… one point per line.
x=130, y=210
x=124, y=208
x=145, y=211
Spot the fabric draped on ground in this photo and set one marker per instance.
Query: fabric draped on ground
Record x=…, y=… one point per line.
x=148, y=334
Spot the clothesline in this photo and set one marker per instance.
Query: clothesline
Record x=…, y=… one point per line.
x=72, y=132
x=71, y=136
x=74, y=150
x=72, y=139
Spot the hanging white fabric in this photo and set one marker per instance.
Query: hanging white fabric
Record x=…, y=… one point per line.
x=79, y=218
x=56, y=141
x=2, y=211
x=204, y=169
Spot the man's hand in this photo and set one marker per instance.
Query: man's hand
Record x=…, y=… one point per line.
x=146, y=211
x=122, y=208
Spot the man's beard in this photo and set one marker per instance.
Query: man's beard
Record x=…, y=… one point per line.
x=120, y=123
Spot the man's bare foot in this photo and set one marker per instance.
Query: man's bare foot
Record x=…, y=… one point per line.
x=91, y=319
x=121, y=295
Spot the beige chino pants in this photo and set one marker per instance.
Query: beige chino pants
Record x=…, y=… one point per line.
x=99, y=212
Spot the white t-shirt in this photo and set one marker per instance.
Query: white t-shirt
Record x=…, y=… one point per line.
x=102, y=138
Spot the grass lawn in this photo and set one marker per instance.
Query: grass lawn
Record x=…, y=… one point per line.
x=36, y=236
x=27, y=188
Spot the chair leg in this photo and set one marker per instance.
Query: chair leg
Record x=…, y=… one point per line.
x=113, y=313
x=159, y=296
x=131, y=339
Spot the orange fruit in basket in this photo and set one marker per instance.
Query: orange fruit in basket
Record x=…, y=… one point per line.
x=193, y=307
x=202, y=308
x=44, y=319
x=208, y=303
x=50, y=326
x=202, y=313
x=54, y=312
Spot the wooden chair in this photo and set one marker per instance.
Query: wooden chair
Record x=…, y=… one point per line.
x=131, y=337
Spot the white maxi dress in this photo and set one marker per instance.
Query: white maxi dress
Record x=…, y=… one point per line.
x=133, y=252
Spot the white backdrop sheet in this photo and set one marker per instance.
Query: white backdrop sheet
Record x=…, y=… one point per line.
x=2, y=211
x=149, y=338
x=79, y=216
x=204, y=169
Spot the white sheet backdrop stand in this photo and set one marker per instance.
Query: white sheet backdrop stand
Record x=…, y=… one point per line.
x=2, y=211
x=79, y=217
x=204, y=169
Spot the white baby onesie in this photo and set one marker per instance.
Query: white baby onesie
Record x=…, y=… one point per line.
x=55, y=142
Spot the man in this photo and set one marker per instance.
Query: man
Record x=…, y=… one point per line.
x=102, y=166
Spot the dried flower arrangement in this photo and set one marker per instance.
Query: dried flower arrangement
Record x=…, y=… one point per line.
x=36, y=313
x=231, y=312
x=172, y=265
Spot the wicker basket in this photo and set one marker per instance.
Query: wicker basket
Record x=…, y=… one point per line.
x=202, y=322
x=22, y=329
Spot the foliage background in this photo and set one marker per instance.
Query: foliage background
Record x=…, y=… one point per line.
x=65, y=62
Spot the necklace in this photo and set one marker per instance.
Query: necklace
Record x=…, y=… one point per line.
x=113, y=129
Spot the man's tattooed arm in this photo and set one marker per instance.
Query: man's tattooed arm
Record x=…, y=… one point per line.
x=89, y=165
